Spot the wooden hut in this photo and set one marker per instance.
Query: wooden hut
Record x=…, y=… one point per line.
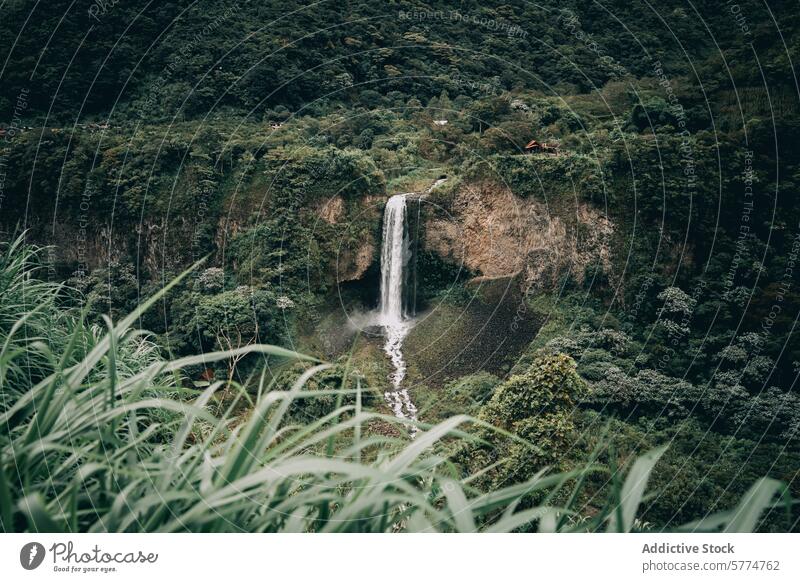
x=535, y=147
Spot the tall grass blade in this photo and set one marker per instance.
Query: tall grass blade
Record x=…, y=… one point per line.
x=633, y=491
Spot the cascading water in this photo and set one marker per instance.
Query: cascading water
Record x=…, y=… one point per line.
x=393, y=311
x=394, y=260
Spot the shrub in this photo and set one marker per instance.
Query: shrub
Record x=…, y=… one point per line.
x=534, y=407
x=550, y=385
x=337, y=387
x=473, y=390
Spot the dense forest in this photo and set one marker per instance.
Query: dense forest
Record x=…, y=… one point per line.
x=603, y=237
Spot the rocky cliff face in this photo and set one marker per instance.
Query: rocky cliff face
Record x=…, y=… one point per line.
x=352, y=264
x=492, y=232
x=497, y=234
x=354, y=256
x=76, y=247
x=483, y=226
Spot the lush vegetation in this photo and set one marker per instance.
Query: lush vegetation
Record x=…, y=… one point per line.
x=103, y=435
x=256, y=143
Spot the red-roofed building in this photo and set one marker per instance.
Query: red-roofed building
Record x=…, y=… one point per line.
x=535, y=147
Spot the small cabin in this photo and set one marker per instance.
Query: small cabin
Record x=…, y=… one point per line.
x=535, y=147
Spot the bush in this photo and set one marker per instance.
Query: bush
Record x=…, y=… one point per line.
x=336, y=386
x=550, y=385
x=472, y=391
x=647, y=393
x=536, y=409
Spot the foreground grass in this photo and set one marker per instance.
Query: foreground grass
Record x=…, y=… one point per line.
x=97, y=433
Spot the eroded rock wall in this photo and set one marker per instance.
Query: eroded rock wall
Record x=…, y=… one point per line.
x=497, y=234
x=353, y=256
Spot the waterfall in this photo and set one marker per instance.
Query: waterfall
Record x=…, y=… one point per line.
x=394, y=260
x=393, y=311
